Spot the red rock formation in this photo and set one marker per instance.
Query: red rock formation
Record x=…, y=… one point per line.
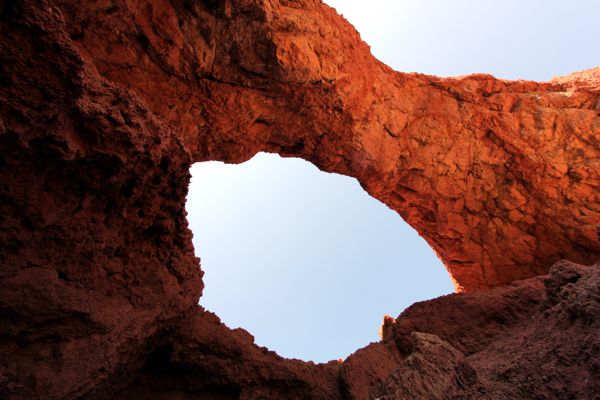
x=105, y=105
x=491, y=173
x=536, y=338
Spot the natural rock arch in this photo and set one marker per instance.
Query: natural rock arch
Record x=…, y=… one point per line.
x=471, y=163
x=104, y=108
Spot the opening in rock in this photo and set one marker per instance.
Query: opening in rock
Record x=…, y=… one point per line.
x=306, y=261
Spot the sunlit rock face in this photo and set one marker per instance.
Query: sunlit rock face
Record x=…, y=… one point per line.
x=105, y=105
x=498, y=176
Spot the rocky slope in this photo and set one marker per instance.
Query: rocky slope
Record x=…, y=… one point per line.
x=106, y=104
x=533, y=339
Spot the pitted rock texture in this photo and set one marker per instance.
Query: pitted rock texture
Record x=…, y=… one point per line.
x=106, y=104
x=538, y=338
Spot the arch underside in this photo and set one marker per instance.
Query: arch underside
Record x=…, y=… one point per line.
x=498, y=176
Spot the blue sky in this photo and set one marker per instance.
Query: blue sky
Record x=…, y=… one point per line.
x=306, y=261
x=512, y=39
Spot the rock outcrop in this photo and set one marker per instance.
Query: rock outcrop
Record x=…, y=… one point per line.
x=106, y=104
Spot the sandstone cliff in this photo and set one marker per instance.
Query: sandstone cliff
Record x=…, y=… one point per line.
x=106, y=104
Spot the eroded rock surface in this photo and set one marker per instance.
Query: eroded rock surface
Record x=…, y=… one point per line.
x=106, y=104
x=500, y=177
x=537, y=338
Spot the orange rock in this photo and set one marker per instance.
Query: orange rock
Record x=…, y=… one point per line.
x=299, y=81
